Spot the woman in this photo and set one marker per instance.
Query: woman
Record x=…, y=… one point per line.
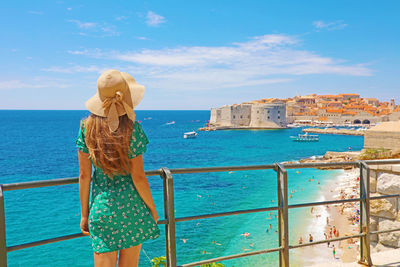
x=121, y=214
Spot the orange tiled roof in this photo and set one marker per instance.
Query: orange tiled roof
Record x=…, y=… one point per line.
x=322, y=118
x=384, y=112
x=334, y=110
x=349, y=94
x=328, y=96
x=348, y=112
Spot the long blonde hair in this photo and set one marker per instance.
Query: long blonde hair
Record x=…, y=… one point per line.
x=109, y=150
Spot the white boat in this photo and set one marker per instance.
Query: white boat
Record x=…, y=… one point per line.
x=170, y=122
x=190, y=135
x=305, y=138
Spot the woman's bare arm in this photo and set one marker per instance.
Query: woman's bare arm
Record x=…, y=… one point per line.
x=85, y=176
x=142, y=185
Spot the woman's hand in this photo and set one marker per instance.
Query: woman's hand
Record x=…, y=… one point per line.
x=84, y=226
x=154, y=214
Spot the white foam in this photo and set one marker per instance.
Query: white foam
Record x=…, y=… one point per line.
x=317, y=225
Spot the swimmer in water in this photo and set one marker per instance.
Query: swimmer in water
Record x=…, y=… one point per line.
x=246, y=234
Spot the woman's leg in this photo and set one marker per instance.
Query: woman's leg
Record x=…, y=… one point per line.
x=129, y=257
x=108, y=259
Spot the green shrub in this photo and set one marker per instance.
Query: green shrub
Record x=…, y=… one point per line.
x=160, y=261
x=377, y=153
x=214, y=264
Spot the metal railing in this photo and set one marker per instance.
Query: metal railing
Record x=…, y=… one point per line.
x=282, y=208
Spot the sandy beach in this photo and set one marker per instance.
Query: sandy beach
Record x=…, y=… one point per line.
x=328, y=218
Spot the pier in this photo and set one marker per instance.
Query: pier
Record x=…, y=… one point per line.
x=282, y=207
x=334, y=131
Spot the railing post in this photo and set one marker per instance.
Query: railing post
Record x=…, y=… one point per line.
x=365, y=256
x=169, y=212
x=3, y=245
x=283, y=215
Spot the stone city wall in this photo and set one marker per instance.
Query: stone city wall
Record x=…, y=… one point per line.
x=387, y=140
x=385, y=215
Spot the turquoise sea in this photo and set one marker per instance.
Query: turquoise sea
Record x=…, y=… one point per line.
x=38, y=145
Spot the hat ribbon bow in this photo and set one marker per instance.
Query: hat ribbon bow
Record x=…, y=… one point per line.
x=110, y=104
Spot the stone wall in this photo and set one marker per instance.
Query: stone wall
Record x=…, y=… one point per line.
x=387, y=140
x=385, y=180
x=269, y=115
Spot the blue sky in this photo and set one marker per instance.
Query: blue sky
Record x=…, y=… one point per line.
x=197, y=54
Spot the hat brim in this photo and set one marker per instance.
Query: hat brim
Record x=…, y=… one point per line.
x=136, y=91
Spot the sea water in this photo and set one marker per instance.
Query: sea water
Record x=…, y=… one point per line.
x=39, y=145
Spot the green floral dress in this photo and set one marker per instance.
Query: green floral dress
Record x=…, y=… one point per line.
x=118, y=217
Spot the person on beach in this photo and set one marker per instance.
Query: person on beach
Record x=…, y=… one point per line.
x=334, y=252
x=121, y=214
x=326, y=238
x=311, y=239
x=300, y=240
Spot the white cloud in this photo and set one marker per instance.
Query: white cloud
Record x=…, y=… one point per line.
x=121, y=18
x=329, y=26
x=153, y=19
x=83, y=25
x=75, y=69
x=261, y=60
x=33, y=12
x=36, y=82
x=77, y=52
x=95, y=29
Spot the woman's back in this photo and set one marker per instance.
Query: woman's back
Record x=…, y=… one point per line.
x=121, y=214
x=118, y=217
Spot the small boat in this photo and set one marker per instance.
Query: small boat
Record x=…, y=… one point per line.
x=190, y=135
x=305, y=138
x=170, y=122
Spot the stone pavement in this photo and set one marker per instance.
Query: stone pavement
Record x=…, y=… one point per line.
x=387, y=258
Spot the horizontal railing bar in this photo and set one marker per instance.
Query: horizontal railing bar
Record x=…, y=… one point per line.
x=385, y=196
x=293, y=206
x=36, y=184
x=55, y=239
x=53, y=182
x=385, y=231
x=325, y=241
x=263, y=251
x=223, y=169
x=338, y=164
x=220, y=214
x=43, y=242
x=63, y=181
x=304, y=165
x=382, y=161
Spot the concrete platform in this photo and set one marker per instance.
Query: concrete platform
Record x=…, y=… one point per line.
x=388, y=258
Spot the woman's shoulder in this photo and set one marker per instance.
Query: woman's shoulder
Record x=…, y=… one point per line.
x=137, y=126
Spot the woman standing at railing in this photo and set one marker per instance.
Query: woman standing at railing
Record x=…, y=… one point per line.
x=121, y=214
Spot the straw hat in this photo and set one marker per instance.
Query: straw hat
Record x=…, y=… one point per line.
x=117, y=94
